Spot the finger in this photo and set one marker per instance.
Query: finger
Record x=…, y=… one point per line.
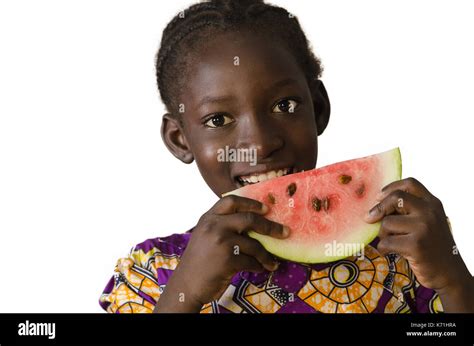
x=253, y=248
x=397, y=202
x=248, y=263
x=396, y=225
x=235, y=204
x=394, y=244
x=410, y=185
x=245, y=222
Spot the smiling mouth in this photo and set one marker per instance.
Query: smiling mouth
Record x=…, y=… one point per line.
x=244, y=180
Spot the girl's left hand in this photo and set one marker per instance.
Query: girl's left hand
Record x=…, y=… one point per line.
x=414, y=225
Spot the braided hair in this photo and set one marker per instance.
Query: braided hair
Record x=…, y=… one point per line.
x=201, y=21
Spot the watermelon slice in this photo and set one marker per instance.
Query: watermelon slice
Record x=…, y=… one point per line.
x=324, y=207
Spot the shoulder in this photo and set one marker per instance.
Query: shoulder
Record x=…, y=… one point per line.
x=138, y=279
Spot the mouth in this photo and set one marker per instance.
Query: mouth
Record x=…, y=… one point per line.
x=244, y=180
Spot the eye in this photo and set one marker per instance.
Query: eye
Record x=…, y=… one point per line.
x=285, y=106
x=218, y=120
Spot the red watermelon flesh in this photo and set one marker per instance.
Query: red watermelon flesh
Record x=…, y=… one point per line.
x=325, y=207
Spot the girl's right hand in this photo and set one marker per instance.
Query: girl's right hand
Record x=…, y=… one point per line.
x=219, y=248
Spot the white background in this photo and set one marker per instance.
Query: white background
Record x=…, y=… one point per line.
x=84, y=174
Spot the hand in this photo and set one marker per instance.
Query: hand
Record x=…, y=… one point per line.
x=415, y=226
x=219, y=248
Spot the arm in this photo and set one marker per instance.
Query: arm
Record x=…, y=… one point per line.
x=459, y=295
x=177, y=297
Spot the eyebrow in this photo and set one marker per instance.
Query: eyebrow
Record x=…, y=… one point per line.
x=217, y=99
x=282, y=83
x=214, y=99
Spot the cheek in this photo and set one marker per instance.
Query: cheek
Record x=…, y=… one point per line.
x=212, y=170
x=305, y=143
x=206, y=156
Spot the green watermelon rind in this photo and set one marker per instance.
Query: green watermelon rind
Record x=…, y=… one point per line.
x=370, y=231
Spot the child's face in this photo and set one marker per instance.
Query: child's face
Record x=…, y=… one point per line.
x=239, y=94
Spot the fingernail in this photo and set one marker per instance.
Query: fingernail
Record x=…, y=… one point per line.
x=264, y=208
x=286, y=231
x=372, y=212
x=275, y=265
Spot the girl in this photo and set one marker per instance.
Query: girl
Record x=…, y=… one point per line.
x=241, y=74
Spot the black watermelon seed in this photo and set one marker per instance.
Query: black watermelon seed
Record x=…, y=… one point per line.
x=316, y=204
x=345, y=179
x=360, y=190
x=271, y=198
x=291, y=189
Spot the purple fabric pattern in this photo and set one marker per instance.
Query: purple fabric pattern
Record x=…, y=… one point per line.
x=369, y=284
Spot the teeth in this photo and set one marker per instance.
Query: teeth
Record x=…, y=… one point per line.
x=256, y=178
x=271, y=174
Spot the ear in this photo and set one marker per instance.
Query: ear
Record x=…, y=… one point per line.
x=321, y=105
x=174, y=139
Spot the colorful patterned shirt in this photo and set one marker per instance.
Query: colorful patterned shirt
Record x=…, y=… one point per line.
x=370, y=283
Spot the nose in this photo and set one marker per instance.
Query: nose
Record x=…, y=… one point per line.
x=258, y=133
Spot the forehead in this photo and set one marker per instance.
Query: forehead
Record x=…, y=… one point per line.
x=233, y=63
